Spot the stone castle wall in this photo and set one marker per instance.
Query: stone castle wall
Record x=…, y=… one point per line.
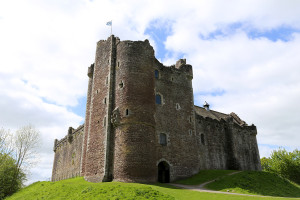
x=175, y=118
x=67, y=155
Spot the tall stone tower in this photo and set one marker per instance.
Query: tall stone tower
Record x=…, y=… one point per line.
x=119, y=140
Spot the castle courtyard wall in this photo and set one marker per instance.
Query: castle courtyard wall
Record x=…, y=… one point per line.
x=67, y=155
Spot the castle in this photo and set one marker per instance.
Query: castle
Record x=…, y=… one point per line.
x=141, y=123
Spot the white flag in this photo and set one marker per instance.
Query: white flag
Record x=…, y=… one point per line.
x=109, y=23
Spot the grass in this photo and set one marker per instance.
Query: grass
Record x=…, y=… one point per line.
x=258, y=183
x=78, y=188
x=204, y=176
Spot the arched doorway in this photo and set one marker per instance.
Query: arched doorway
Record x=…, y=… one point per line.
x=163, y=172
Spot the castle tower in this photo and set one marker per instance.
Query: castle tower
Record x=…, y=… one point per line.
x=120, y=126
x=142, y=125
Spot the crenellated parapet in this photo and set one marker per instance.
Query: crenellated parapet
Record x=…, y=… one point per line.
x=69, y=137
x=172, y=72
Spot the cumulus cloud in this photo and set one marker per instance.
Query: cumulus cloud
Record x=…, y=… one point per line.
x=46, y=47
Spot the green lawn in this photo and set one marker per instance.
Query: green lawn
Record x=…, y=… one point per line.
x=78, y=188
x=204, y=176
x=253, y=182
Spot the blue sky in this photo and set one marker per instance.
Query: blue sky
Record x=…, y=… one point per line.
x=245, y=58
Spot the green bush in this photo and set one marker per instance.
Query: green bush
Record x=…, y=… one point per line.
x=284, y=163
x=10, y=177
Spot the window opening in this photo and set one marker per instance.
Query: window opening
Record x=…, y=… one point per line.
x=126, y=112
x=104, y=122
x=156, y=72
x=163, y=139
x=202, y=139
x=121, y=85
x=157, y=99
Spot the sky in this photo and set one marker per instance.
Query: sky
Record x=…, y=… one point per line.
x=245, y=58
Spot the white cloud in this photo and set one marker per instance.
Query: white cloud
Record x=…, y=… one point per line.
x=46, y=47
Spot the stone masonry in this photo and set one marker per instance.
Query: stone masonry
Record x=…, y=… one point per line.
x=141, y=123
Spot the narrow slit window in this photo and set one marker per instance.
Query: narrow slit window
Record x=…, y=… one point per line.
x=105, y=100
x=126, y=112
x=104, y=122
x=163, y=139
x=158, y=99
x=156, y=73
x=202, y=139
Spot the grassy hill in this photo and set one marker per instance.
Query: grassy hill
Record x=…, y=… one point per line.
x=259, y=183
x=204, y=176
x=78, y=188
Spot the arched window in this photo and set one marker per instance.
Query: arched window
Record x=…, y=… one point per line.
x=156, y=73
x=157, y=99
x=202, y=139
x=163, y=139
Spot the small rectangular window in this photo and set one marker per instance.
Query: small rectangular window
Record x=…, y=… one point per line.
x=158, y=99
x=163, y=139
x=156, y=72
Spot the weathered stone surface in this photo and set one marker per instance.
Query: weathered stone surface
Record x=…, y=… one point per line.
x=67, y=155
x=124, y=124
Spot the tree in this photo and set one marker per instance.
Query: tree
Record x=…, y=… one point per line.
x=5, y=141
x=9, y=182
x=283, y=163
x=17, y=155
x=25, y=143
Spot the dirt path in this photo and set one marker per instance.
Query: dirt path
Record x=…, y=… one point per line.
x=201, y=188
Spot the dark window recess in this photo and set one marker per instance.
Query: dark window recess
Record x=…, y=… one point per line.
x=156, y=72
x=104, y=100
x=157, y=99
x=121, y=85
x=126, y=112
x=202, y=139
x=163, y=139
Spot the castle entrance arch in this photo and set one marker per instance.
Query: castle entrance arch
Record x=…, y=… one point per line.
x=163, y=172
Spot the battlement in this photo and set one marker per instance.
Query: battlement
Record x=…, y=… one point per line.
x=69, y=137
